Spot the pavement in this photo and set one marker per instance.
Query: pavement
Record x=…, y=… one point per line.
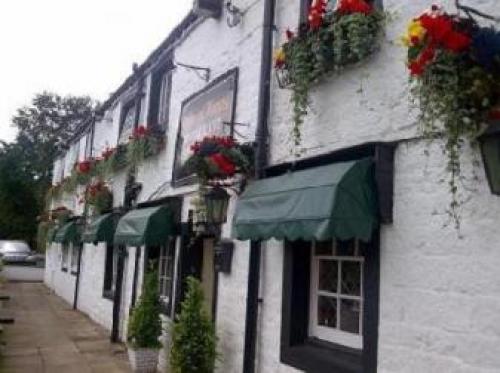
x=22, y=273
x=49, y=336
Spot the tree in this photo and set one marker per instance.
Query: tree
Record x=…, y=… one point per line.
x=144, y=326
x=193, y=335
x=44, y=130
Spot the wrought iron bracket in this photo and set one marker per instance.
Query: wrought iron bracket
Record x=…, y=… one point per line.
x=202, y=72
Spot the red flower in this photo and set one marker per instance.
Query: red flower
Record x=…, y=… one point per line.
x=354, y=6
x=417, y=67
x=107, y=153
x=440, y=30
x=316, y=14
x=84, y=167
x=289, y=34
x=139, y=132
x=224, y=164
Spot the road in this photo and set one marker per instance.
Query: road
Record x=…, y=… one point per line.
x=22, y=273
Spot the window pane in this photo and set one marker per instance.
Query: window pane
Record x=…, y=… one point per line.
x=327, y=311
x=349, y=315
x=351, y=278
x=323, y=248
x=328, y=275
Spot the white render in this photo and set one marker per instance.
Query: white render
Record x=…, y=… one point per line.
x=439, y=288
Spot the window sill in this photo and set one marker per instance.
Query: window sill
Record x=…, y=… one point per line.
x=322, y=357
x=108, y=294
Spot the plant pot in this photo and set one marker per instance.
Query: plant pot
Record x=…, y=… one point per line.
x=143, y=360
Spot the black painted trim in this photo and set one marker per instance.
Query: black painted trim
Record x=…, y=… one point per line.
x=312, y=355
x=115, y=329
x=77, y=274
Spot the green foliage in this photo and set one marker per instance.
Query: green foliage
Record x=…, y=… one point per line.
x=44, y=227
x=44, y=129
x=193, y=335
x=144, y=326
x=341, y=40
x=138, y=149
x=454, y=98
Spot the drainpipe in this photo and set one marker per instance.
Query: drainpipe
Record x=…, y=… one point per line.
x=77, y=281
x=261, y=159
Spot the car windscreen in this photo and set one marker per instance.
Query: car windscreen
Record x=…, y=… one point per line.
x=14, y=247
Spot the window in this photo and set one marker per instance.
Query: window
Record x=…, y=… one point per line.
x=127, y=122
x=159, y=106
x=110, y=271
x=162, y=258
x=75, y=249
x=166, y=272
x=64, y=257
x=330, y=306
x=337, y=293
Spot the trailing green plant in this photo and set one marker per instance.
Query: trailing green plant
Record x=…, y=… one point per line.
x=328, y=42
x=144, y=327
x=454, y=69
x=218, y=158
x=143, y=144
x=42, y=235
x=99, y=196
x=194, y=342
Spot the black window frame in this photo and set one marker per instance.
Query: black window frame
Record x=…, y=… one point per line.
x=130, y=104
x=156, y=86
x=300, y=351
x=107, y=285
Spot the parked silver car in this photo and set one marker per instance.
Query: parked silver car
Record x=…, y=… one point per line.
x=14, y=251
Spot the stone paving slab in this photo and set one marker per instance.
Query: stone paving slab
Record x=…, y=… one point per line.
x=48, y=336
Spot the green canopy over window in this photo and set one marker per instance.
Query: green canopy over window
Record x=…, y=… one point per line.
x=147, y=226
x=51, y=234
x=334, y=201
x=101, y=229
x=68, y=233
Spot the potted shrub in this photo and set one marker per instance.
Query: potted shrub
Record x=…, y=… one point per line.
x=144, y=328
x=193, y=335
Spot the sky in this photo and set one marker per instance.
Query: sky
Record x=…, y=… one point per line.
x=76, y=47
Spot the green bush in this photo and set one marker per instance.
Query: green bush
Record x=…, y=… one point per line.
x=144, y=326
x=193, y=335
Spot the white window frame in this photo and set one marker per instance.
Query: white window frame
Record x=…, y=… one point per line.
x=163, y=277
x=164, y=101
x=335, y=335
x=125, y=133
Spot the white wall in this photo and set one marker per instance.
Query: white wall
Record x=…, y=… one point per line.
x=439, y=304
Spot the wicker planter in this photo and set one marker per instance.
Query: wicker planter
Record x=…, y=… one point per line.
x=143, y=360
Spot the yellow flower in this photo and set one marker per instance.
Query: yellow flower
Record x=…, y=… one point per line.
x=415, y=34
x=279, y=58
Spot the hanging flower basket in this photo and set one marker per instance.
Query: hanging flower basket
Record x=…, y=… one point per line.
x=454, y=67
x=329, y=41
x=99, y=196
x=61, y=215
x=143, y=144
x=218, y=158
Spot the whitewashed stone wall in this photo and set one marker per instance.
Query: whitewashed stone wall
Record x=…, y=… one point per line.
x=439, y=289
x=62, y=283
x=90, y=296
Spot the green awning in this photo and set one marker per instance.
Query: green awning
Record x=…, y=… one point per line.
x=68, y=233
x=147, y=226
x=334, y=201
x=101, y=229
x=51, y=234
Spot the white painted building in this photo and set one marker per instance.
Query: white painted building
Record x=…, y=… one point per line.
x=423, y=297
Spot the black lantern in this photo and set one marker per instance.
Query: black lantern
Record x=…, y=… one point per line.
x=490, y=150
x=223, y=256
x=216, y=202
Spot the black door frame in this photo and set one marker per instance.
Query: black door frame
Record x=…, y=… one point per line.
x=117, y=299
